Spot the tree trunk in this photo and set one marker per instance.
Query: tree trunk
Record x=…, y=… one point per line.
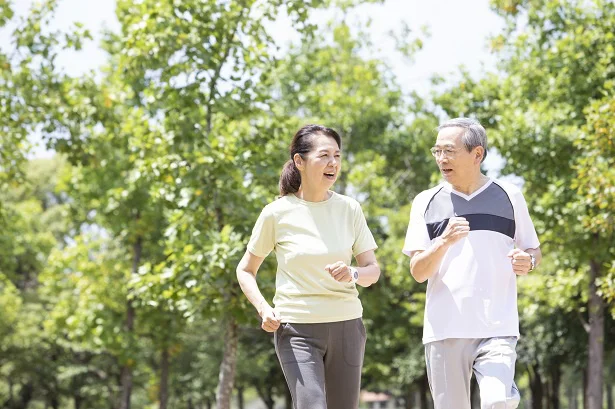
x=536, y=386
x=596, y=341
x=227, y=367
x=55, y=402
x=573, y=402
x=25, y=396
x=126, y=376
x=556, y=375
x=240, y=400
x=609, y=397
x=164, y=378
x=411, y=397
x=266, y=396
x=584, y=394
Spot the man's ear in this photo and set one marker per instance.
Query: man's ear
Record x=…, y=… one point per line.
x=480, y=152
x=299, y=162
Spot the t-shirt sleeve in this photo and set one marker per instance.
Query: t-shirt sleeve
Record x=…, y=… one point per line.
x=525, y=233
x=417, y=236
x=262, y=240
x=363, y=238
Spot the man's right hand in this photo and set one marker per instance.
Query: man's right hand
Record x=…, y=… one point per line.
x=457, y=228
x=271, y=320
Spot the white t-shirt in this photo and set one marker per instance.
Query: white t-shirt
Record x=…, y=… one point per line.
x=474, y=292
x=306, y=236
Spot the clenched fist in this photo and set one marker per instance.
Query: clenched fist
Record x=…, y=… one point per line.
x=521, y=261
x=339, y=271
x=271, y=319
x=457, y=228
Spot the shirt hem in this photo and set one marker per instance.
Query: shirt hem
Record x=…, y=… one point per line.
x=322, y=320
x=363, y=251
x=407, y=252
x=512, y=333
x=257, y=253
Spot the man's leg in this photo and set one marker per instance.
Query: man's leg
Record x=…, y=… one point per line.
x=495, y=372
x=300, y=349
x=343, y=363
x=449, y=370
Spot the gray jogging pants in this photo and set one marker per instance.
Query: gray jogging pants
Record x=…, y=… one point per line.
x=322, y=363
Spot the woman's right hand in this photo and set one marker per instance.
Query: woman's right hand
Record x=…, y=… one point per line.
x=271, y=320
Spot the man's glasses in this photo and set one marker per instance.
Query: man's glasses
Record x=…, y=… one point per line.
x=439, y=152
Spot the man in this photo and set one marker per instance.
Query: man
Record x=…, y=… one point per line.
x=470, y=237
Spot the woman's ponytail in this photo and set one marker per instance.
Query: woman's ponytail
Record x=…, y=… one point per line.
x=290, y=179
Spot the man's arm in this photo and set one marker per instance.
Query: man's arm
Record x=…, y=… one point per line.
x=537, y=255
x=425, y=263
x=521, y=260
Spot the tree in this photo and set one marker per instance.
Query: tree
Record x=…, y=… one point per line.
x=35, y=224
x=159, y=146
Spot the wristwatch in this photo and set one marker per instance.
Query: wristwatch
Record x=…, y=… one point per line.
x=354, y=275
x=532, y=262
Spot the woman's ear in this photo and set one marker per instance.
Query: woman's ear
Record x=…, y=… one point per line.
x=299, y=163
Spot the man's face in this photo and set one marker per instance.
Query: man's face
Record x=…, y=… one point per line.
x=456, y=164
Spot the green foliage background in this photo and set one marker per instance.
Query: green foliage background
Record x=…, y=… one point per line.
x=117, y=255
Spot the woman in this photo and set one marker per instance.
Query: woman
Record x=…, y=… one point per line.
x=319, y=335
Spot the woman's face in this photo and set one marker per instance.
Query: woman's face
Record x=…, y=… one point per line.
x=320, y=167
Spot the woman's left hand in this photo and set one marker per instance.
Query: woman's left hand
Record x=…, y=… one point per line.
x=339, y=271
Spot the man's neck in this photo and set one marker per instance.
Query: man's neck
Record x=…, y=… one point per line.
x=472, y=186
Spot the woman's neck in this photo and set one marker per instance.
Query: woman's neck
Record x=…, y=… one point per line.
x=312, y=195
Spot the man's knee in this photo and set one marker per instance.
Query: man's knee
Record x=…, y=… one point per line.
x=492, y=401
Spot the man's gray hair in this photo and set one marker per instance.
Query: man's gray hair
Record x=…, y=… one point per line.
x=474, y=135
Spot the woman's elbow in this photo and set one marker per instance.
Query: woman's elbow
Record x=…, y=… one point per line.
x=240, y=273
x=376, y=275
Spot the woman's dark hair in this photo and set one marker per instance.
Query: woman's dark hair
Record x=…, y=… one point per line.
x=303, y=143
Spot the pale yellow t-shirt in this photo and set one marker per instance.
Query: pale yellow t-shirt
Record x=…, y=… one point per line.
x=306, y=236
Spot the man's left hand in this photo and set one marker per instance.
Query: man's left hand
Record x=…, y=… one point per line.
x=521, y=262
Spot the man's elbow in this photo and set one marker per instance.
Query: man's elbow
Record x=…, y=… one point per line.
x=420, y=278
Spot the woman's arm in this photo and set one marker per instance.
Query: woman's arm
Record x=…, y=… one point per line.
x=246, y=275
x=368, y=269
